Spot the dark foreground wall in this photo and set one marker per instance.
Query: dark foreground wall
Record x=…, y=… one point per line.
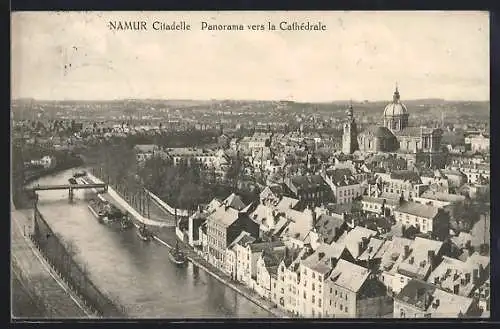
x=63, y=262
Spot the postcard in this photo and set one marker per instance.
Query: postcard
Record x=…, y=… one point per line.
x=214, y=165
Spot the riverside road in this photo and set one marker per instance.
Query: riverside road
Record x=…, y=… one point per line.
x=136, y=274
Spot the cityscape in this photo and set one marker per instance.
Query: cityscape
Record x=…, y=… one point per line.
x=372, y=204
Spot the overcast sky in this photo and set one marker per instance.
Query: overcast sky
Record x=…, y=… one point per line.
x=360, y=56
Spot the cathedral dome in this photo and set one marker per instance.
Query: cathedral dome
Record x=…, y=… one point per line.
x=395, y=108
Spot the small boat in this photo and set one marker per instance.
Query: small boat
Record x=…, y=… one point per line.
x=72, y=181
x=177, y=256
x=80, y=174
x=143, y=233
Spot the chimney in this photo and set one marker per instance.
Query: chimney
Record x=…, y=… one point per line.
x=360, y=248
x=436, y=303
x=412, y=260
x=456, y=289
x=430, y=256
x=475, y=276
x=455, y=276
x=406, y=251
x=337, y=233
x=321, y=255
x=427, y=300
x=436, y=280
x=467, y=277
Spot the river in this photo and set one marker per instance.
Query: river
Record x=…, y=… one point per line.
x=137, y=274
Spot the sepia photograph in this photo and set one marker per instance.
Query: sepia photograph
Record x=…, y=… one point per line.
x=250, y=165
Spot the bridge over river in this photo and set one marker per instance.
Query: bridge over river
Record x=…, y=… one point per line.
x=137, y=274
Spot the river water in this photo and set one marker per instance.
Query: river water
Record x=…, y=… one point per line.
x=137, y=274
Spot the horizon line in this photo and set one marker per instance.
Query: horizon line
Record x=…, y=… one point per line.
x=347, y=101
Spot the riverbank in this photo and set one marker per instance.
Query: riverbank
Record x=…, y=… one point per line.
x=39, y=279
x=167, y=237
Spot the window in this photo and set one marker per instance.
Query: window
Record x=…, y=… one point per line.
x=313, y=275
x=346, y=309
x=331, y=290
x=319, y=302
x=335, y=292
x=341, y=307
x=401, y=313
x=305, y=295
x=345, y=296
x=313, y=299
x=341, y=294
x=401, y=279
x=313, y=288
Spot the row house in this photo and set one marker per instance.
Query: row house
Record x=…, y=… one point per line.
x=223, y=226
x=247, y=254
x=267, y=272
x=289, y=269
x=311, y=190
x=344, y=185
x=352, y=291
x=231, y=257
x=419, y=299
x=313, y=271
x=426, y=218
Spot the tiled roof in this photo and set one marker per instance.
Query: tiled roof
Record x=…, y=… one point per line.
x=417, y=209
x=348, y=275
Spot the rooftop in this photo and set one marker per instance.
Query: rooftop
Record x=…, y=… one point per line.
x=349, y=276
x=418, y=209
x=439, y=303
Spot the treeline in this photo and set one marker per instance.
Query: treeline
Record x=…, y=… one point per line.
x=181, y=186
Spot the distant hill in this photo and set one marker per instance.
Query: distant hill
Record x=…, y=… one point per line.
x=419, y=107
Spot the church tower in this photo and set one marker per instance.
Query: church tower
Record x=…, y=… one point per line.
x=350, y=135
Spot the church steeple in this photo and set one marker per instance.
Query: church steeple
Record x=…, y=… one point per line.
x=396, y=97
x=350, y=135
